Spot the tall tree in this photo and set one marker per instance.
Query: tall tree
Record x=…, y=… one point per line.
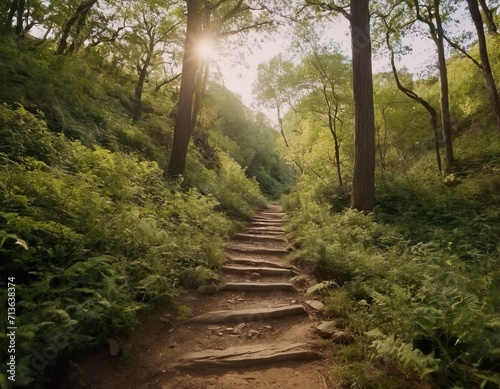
x=275, y=86
x=74, y=23
x=485, y=62
x=429, y=13
x=363, y=184
x=184, y=119
x=225, y=18
x=326, y=73
x=363, y=181
x=489, y=19
x=151, y=36
x=392, y=24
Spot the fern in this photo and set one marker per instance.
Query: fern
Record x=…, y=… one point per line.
x=404, y=353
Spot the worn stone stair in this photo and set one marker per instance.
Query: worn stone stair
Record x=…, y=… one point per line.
x=248, y=315
x=267, y=271
x=244, y=356
x=259, y=251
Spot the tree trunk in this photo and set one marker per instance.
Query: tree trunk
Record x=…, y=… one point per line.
x=489, y=20
x=10, y=17
x=138, y=90
x=184, y=120
x=280, y=123
x=332, y=118
x=82, y=9
x=411, y=94
x=443, y=79
x=19, y=17
x=143, y=70
x=363, y=185
x=485, y=62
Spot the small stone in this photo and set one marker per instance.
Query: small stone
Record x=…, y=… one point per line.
x=314, y=304
x=342, y=337
x=321, y=288
x=115, y=347
x=255, y=276
x=268, y=327
x=219, y=334
x=253, y=333
x=214, y=328
x=229, y=329
x=167, y=318
x=326, y=329
x=207, y=289
x=239, y=328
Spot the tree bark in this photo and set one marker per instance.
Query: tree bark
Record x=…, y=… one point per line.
x=138, y=89
x=82, y=9
x=363, y=186
x=280, y=123
x=411, y=94
x=443, y=78
x=10, y=17
x=437, y=34
x=143, y=71
x=184, y=119
x=489, y=20
x=19, y=17
x=485, y=62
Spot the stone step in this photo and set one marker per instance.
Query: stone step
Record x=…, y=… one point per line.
x=248, y=315
x=257, y=286
x=260, y=238
x=270, y=214
x=268, y=217
x=263, y=271
x=247, y=356
x=268, y=224
x=275, y=231
x=250, y=249
x=257, y=262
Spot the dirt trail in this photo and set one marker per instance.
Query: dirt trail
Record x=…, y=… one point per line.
x=257, y=332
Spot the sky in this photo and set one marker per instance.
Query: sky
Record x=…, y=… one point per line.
x=239, y=75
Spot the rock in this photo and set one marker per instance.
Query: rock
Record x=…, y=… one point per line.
x=342, y=337
x=115, y=348
x=267, y=327
x=255, y=276
x=326, y=329
x=253, y=333
x=167, y=318
x=300, y=281
x=208, y=289
x=320, y=288
x=341, y=323
x=316, y=305
x=239, y=328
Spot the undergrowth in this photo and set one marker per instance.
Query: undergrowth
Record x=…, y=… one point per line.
x=89, y=229
x=419, y=279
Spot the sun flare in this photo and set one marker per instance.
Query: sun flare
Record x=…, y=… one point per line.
x=206, y=50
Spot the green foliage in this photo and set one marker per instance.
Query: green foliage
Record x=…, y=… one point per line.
x=89, y=228
x=418, y=289
x=250, y=142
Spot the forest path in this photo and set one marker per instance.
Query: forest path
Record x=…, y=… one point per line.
x=257, y=332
